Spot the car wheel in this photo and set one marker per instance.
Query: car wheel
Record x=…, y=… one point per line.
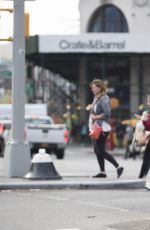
x=60, y=153
x=2, y=148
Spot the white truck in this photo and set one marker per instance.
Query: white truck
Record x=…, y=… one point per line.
x=40, y=130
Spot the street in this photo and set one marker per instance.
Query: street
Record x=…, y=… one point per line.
x=92, y=60
x=72, y=209
x=77, y=209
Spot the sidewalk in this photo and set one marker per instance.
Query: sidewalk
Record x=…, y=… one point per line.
x=73, y=177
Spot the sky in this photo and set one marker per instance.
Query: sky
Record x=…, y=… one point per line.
x=46, y=17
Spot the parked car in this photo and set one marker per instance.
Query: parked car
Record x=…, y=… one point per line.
x=40, y=132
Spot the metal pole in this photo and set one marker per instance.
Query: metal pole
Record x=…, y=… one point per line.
x=140, y=79
x=17, y=152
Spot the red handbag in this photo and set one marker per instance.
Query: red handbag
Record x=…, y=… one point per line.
x=95, y=132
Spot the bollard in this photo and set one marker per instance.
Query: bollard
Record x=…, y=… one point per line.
x=42, y=167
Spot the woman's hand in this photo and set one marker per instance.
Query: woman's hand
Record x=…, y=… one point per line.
x=138, y=116
x=95, y=117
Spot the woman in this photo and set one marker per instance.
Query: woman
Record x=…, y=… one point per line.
x=101, y=112
x=146, y=158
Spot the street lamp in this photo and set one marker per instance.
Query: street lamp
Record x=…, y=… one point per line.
x=17, y=151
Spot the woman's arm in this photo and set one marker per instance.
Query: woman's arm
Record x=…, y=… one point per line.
x=96, y=117
x=106, y=107
x=147, y=125
x=139, y=117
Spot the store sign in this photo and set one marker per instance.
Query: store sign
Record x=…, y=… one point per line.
x=91, y=45
x=94, y=43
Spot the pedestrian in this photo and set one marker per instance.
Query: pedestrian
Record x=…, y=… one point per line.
x=83, y=132
x=120, y=133
x=129, y=138
x=146, y=157
x=101, y=113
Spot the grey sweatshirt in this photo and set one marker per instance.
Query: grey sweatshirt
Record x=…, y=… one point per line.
x=102, y=106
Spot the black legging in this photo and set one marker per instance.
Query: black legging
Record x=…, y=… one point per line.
x=99, y=149
x=146, y=161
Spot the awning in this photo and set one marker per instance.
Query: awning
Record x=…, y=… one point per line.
x=93, y=43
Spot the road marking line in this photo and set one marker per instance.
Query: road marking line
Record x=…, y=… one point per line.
x=105, y=206
x=55, y=198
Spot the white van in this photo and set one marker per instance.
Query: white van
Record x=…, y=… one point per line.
x=30, y=110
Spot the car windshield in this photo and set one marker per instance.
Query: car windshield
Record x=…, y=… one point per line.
x=38, y=121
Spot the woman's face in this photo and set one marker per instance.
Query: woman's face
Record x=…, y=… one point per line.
x=95, y=89
x=148, y=100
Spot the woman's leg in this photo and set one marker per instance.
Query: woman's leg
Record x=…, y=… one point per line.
x=111, y=159
x=146, y=161
x=103, y=153
x=98, y=149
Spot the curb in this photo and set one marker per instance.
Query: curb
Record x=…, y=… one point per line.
x=82, y=184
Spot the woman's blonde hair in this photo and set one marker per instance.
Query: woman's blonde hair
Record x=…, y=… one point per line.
x=99, y=83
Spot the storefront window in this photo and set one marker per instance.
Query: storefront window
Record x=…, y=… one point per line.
x=114, y=70
x=108, y=19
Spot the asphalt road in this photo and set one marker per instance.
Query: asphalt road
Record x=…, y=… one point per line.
x=73, y=209
x=78, y=209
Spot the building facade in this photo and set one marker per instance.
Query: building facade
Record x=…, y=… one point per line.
x=113, y=45
x=127, y=71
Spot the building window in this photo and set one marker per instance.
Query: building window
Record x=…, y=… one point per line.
x=108, y=19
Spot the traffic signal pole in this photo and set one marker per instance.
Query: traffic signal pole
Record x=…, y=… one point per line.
x=17, y=151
